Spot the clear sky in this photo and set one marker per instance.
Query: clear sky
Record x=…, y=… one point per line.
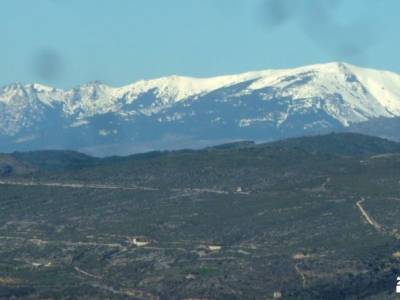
x=69, y=42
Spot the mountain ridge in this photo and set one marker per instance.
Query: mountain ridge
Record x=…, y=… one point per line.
x=334, y=144
x=155, y=114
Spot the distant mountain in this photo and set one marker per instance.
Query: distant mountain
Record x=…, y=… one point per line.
x=388, y=128
x=179, y=112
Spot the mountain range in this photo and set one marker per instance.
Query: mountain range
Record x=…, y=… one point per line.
x=180, y=112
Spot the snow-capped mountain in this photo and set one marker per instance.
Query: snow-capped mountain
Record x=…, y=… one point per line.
x=175, y=112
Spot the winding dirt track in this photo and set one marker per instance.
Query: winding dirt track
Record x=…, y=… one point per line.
x=367, y=217
x=114, y=187
x=77, y=185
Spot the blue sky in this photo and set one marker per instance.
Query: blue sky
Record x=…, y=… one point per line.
x=69, y=42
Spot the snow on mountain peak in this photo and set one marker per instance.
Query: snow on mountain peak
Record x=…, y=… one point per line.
x=263, y=105
x=176, y=88
x=346, y=92
x=367, y=93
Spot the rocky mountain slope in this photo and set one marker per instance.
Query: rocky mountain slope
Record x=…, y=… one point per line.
x=178, y=112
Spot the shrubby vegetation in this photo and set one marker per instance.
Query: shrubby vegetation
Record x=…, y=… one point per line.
x=237, y=221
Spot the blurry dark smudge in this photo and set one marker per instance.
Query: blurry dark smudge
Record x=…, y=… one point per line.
x=317, y=20
x=48, y=65
x=277, y=13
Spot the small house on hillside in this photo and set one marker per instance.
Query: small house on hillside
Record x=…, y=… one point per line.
x=139, y=241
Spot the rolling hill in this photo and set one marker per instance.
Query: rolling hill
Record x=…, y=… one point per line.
x=303, y=218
